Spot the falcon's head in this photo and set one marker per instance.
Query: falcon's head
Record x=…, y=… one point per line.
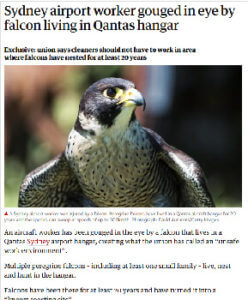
x=107, y=103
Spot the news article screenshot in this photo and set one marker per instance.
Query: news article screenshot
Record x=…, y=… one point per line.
x=123, y=149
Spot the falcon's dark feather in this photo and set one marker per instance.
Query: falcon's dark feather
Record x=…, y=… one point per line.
x=51, y=185
x=193, y=187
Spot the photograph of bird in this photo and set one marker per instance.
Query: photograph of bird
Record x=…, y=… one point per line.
x=110, y=160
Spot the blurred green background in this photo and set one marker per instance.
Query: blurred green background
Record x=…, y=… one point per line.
x=197, y=109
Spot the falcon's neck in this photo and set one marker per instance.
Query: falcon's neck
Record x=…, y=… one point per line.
x=92, y=127
x=124, y=120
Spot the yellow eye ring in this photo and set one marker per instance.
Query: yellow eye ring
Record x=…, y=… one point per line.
x=113, y=92
x=110, y=92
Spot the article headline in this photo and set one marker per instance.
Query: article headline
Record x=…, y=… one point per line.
x=75, y=19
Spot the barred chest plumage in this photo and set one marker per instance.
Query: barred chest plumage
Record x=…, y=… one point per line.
x=119, y=169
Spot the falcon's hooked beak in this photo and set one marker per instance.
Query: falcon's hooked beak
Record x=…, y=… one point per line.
x=132, y=97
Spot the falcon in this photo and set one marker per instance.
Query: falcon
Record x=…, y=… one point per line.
x=110, y=160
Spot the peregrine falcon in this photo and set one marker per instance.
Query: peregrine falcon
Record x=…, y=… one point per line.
x=110, y=160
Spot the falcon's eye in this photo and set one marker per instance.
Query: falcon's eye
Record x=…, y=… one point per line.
x=111, y=92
